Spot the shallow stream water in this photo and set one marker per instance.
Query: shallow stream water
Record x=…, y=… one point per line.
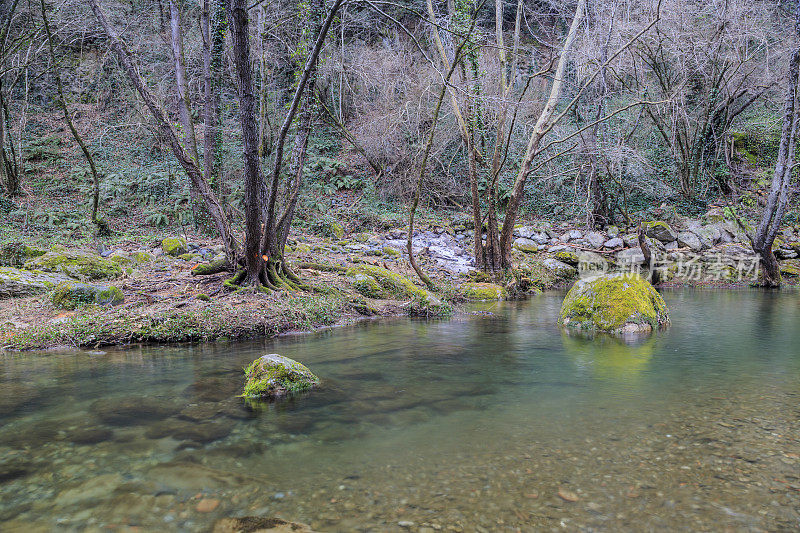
x=490, y=422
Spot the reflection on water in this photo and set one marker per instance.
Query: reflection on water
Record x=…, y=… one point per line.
x=473, y=424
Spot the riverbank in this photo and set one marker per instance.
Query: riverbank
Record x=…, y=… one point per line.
x=147, y=290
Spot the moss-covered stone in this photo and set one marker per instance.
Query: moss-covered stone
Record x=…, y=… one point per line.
x=482, y=291
x=16, y=282
x=174, y=246
x=141, y=257
x=391, y=251
x=367, y=286
x=75, y=265
x=569, y=257
x=190, y=256
x=392, y=283
x=618, y=303
x=14, y=254
x=791, y=268
x=71, y=295
x=525, y=245
x=274, y=376
x=302, y=248
x=658, y=229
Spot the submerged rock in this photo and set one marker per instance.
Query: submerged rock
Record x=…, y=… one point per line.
x=259, y=524
x=482, y=291
x=129, y=411
x=617, y=303
x=274, y=376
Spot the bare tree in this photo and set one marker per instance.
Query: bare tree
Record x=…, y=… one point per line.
x=779, y=192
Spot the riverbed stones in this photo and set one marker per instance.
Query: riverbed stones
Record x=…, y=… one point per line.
x=614, y=303
x=525, y=245
x=133, y=410
x=15, y=282
x=688, y=239
x=595, y=239
x=614, y=242
x=274, y=376
x=259, y=524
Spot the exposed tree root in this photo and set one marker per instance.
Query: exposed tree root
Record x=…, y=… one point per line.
x=274, y=276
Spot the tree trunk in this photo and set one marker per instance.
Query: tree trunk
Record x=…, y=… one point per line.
x=102, y=227
x=184, y=106
x=188, y=164
x=253, y=179
x=778, y=198
x=214, y=26
x=543, y=125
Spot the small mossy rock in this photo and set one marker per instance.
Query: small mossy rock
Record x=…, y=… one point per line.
x=390, y=251
x=658, y=229
x=190, y=256
x=273, y=376
x=121, y=258
x=791, y=268
x=569, y=257
x=302, y=248
x=367, y=286
x=141, y=257
x=392, y=282
x=75, y=265
x=482, y=291
x=18, y=283
x=71, y=295
x=616, y=303
x=558, y=269
x=14, y=254
x=174, y=246
x=429, y=305
x=525, y=245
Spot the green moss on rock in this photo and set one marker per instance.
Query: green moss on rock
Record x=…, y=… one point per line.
x=274, y=376
x=367, y=286
x=14, y=254
x=174, y=246
x=791, y=268
x=617, y=303
x=75, y=265
x=71, y=295
x=568, y=257
x=482, y=291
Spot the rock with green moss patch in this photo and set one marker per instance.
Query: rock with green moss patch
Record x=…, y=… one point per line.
x=391, y=251
x=71, y=295
x=174, y=246
x=429, y=305
x=273, y=376
x=558, y=269
x=141, y=257
x=616, y=303
x=302, y=248
x=18, y=283
x=392, y=283
x=367, y=285
x=568, y=256
x=14, y=254
x=76, y=265
x=190, y=256
x=791, y=268
x=482, y=291
x=525, y=245
x=658, y=229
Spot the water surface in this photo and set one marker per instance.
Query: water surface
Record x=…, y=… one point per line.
x=490, y=422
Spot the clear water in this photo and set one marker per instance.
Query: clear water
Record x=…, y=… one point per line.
x=491, y=422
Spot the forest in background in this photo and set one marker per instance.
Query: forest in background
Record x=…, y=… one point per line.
x=671, y=104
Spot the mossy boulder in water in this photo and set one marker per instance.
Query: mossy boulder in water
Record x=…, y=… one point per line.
x=482, y=291
x=75, y=265
x=617, y=303
x=174, y=246
x=70, y=295
x=274, y=376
